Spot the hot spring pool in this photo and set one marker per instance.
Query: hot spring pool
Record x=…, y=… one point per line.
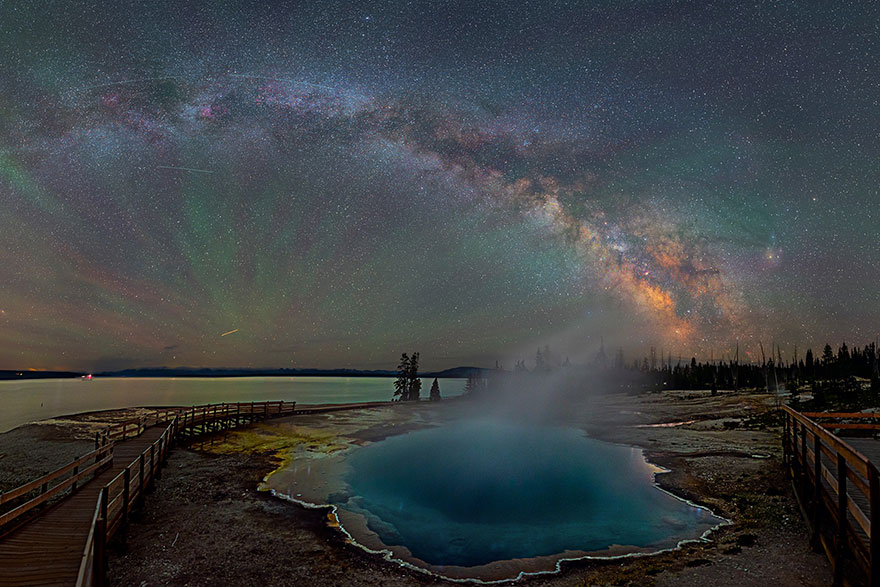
x=473, y=493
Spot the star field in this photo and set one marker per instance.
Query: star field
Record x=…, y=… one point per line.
x=330, y=184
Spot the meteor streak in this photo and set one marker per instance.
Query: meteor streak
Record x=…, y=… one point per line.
x=228, y=333
x=184, y=169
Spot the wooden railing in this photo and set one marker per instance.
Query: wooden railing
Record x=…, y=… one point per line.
x=846, y=420
x=54, y=484
x=134, y=426
x=91, y=568
x=126, y=491
x=837, y=487
x=66, y=479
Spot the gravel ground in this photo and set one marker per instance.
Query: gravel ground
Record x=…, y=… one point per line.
x=30, y=451
x=205, y=524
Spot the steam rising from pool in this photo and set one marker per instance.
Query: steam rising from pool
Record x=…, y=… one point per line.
x=478, y=491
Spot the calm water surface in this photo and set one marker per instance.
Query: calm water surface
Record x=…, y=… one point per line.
x=25, y=401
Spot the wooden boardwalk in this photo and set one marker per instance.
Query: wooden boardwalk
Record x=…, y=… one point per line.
x=833, y=461
x=49, y=550
x=64, y=545
x=870, y=447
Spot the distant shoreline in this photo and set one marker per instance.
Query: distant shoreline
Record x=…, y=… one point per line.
x=453, y=373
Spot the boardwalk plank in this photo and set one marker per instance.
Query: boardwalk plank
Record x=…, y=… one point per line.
x=48, y=550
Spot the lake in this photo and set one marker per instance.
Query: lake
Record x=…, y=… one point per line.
x=24, y=401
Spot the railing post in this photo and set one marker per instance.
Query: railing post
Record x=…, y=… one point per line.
x=817, y=490
x=105, y=495
x=785, y=416
x=841, y=519
x=98, y=565
x=74, y=474
x=161, y=457
x=152, y=463
x=96, y=440
x=141, y=482
x=126, y=496
x=874, y=546
x=804, y=464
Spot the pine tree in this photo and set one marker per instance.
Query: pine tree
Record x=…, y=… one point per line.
x=401, y=384
x=809, y=365
x=827, y=355
x=435, y=391
x=415, y=384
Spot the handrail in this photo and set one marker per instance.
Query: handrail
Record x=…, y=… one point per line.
x=830, y=479
x=121, y=429
x=86, y=567
x=40, y=481
x=842, y=415
x=195, y=415
x=50, y=493
x=853, y=457
x=847, y=420
x=115, y=504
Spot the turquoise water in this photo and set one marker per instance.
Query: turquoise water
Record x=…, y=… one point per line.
x=29, y=400
x=471, y=493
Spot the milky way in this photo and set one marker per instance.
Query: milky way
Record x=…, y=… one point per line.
x=231, y=184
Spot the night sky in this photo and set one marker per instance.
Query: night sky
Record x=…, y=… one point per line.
x=330, y=184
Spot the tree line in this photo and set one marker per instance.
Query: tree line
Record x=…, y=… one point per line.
x=845, y=376
x=845, y=366
x=408, y=386
x=827, y=375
